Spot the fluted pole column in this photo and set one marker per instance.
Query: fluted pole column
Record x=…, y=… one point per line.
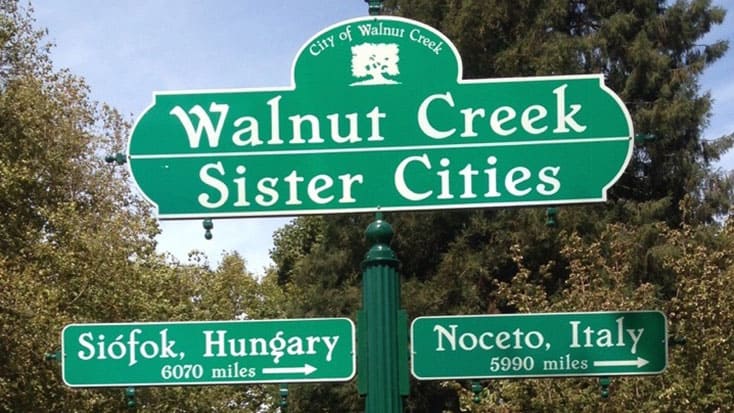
x=384, y=340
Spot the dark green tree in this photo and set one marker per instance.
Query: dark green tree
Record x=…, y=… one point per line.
x=651, y=54
x=614, y=256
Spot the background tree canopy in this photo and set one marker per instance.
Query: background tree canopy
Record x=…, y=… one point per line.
x=79, y=246
x=660, y=242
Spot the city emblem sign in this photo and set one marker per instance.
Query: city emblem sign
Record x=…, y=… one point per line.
x=378, y=115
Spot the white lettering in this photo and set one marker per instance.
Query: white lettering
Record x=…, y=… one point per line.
x=425, y=124
x=347, y=182
x=293, y=179
x=204, y=198
x=487, y=340
x=375, y=115
x=574, y=334
x=469, y=115
x=204, y=125
x=564, y=120
x=501, y=116
x=352, y=136
x=209, y=343
x=635, y=337
x=528, y=121
x=548, y=176
x=298, y=121
x=400, y=183
x=451, y=337
x=511, y=180
x=315, y=189
x=266, y=187
x=84, y=342
x=251, y=129
x=330, y=345
x=274, y=104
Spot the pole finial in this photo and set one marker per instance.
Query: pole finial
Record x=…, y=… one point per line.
x=374, y=7
x=379, y=233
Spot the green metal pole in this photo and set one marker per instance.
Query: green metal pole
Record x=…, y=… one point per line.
x=385, y=342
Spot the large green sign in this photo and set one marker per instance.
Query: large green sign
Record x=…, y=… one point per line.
x=379, y=115
x=539, y=345
x=212, y=352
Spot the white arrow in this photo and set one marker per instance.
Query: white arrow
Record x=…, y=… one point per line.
x=305, y=370
x=620, y=363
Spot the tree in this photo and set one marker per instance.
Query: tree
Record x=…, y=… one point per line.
x=375, y=60
x=228, y=292
x=78, y=246
x=603, y=277
x=650, y=53
x=621, y=255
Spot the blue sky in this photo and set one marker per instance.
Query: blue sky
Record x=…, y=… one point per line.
x=127, y=49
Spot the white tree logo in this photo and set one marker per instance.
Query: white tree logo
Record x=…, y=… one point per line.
x=376, y=61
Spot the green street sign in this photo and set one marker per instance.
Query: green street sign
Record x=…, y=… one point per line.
x=210, y=352
x=539, y=345
x=378, y=115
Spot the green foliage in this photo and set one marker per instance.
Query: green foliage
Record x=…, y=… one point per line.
x=73, y=245
x=657, y=243
x=650, y=53
x=602, y=277
x=226, y=293
x=78, y=246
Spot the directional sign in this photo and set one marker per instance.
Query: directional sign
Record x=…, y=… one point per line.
x=539, y=345
x=212, y=352
x=378, y=115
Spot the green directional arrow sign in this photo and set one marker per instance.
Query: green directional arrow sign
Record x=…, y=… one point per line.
x=212, y=352
x=378, y=115
x=539, y=345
